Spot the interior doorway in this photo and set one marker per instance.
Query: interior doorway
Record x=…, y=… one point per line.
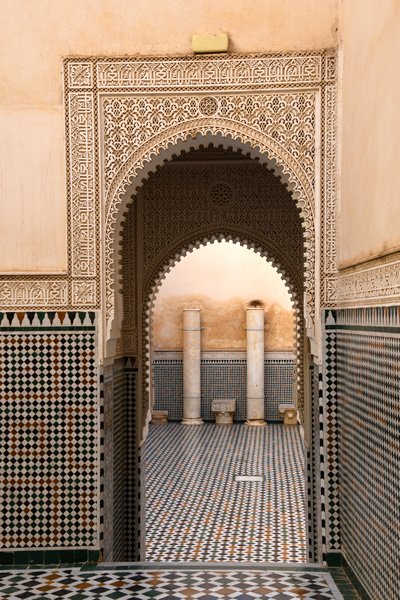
x=231, y=492
x=205, y=193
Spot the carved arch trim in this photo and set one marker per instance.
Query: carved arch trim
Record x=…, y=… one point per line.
x=184, y=247
x=190, y=136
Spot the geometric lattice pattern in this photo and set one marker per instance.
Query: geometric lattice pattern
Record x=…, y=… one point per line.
x=223, y=379
x=368, y=363
x=317, y=465
x=49, y=429
x=126, y=584
x=115, y=460
x=331, y=434
x=197, y=510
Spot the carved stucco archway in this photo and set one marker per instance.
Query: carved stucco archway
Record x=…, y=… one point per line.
x=150, y=108
x=283, y=245
x=202, y=239
x=146, y=159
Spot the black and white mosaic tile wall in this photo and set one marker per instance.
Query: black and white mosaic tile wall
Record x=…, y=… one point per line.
x=368, y=388
x=330, y=416
x=120, y=462
x=49, y=430
x=223, y=378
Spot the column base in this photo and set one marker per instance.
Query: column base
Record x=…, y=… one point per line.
x=256, y=423
x=192, y=421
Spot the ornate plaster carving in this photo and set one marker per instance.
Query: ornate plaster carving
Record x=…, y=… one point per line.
x=246, y=135
x=151, y=290
x=374, y=282
x=191, y=201
x=216, y=73
x=131, y=112
x=33, y=293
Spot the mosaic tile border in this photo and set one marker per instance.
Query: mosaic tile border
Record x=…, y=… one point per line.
x=224, y=378
x=169, y=584
x=331, y=441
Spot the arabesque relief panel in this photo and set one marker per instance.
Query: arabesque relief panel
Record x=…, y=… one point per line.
x=127, y=111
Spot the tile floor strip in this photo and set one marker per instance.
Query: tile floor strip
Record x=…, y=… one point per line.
x=72, y=584
x=196, y=510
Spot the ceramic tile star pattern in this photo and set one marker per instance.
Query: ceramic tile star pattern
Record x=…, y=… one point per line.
x=118, y=584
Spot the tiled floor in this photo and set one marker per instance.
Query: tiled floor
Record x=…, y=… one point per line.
x=118, y=584
x=197, y=510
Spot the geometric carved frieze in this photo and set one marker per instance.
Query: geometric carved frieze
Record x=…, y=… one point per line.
x=376, y=282
x=82, y=184
x=35, y=293
x=269, y=102
x=83, y=292
x=329, y=183
x=182, y=73
x=289, y=118
x=80, y=75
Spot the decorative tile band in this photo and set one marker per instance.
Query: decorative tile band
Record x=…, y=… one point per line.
x=331, y=444
x=49, y=430
x=223, y=379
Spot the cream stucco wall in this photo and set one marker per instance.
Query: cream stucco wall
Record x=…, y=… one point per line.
x=370, y=128
x=36, y=35
x=32, y=191
x=221, y=279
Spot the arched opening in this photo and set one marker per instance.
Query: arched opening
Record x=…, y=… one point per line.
x=201, y=194
x=208, y=486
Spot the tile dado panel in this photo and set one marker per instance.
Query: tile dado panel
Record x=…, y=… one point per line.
x=120, y=463
x=49, y=430
x=368, y=388
x=223, y=378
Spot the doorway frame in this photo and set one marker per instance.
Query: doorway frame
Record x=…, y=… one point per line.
x=101, y=174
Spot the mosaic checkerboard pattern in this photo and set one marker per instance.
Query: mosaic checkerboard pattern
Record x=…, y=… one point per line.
x=49, y=429
x=197, y=511
x=368, y=359
x=121, y=584
x=222, y=379
x=331, y=433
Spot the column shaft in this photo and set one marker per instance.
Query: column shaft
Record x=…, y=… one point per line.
x=191, y=367
x=255, y=366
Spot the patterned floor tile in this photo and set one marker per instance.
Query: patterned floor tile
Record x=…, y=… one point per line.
x=72, y=584
x=198, y=511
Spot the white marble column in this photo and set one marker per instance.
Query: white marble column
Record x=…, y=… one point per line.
x=191, y=367
x=255, y=366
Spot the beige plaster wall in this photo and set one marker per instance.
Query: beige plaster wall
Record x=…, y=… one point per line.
x=370, y=157
x=222, y=279
x=32, y=191
x=36, y=35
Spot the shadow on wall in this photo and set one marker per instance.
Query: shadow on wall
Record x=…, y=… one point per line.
x=224, y=323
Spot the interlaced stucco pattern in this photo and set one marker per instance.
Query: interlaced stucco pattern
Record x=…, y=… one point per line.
x=177, y=210
x=123, y=117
